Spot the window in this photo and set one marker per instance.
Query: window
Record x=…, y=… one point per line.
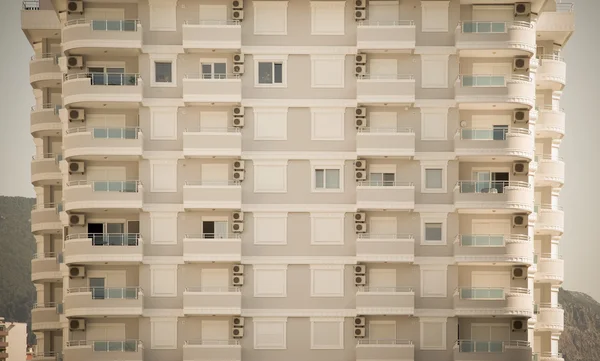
x=434, y=123
x=434, y=16
x=216, y=69
x=327, y=124
x=213, y=121
x=163, y=73
x=433, y=228
x=383, y=122
x=433, y=333
x=270, y=280
x=383, y=11
x=163, y=176
x=163, y=15
x=269, y=333
x=213, y=14
x=270, y=17
x=433, y=232
x=327, y=228
x=270, y=228
x=163, y=332
x=163, y=123
x=164, y=70
x=383, y=226
x=434, y=281
x=326, y=333
x=163, y=280
x=327, y=179
x=163, y=228
x=100, y=75
x=270, y=123
x=434, y=71
x=327, y=71
x=327, y=17
x=215, y=229
x=327, y=280
x=270, y=70
x=270, y=176
x=433, y=176
x=382, y=330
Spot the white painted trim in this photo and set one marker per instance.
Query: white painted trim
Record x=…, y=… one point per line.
x=271, y=59
x=162, y=49
x=439, y=58
x=284, y=6
x=270, y=110
x=434, y=4
x=314, y=267
x=256, y=321
x=270, y=163
x=424, y=112
x=298, y=50
x=337, y=111
x=435, y=50
x=337, y=5
x=326, y=165
x=154, y=268
x=311, y=312
x=270, y=267
x=283, y=261
x=434, y=218
x=341, y=334
x=163, y=162
x=436, y=267
x=154, y=321
x=165, y=110
x=341, y=59
x=443, y=165
x=258, y=215
x=297, y=155
x=300, y=103
x=163, y=207
x=338, y=216
x=166, y=58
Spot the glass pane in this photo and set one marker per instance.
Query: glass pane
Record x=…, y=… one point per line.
x=113, y=25
x=115, y=346
x=98, y=239
x=433, y=231
x=265, y=73
x=98, y=79
x=100, y=186
x=100, y=133
x=497, y=80
x=129, y=25
x=468, y=27
x=98, y=25
x=220, y=70
x=206, y=71
x=500, y=132
x=496, y=293
x=115, y=228
x=130, y=133
x=163, y=72
x=332, y=179
x=115, y=186
x=466, y=293
x=484, y=27
x=319, y=178
x=221, y=229
x=115, y=133
x=130, y=346
x=278, y=73
x=389, y=179
x=466, y=346
x=130, y=186
x=468, y=80
x=433, y=178
x=132, y=239
x=115, y=293
x=499, y=27
x=115, y=79
x=130, y=293
x=115, y=239
x=100, y=346
x=115, y=70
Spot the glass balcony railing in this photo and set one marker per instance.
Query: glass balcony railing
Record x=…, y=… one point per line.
x=109, y=239
x=107, y=25
x=488, y=346
x=488, y=186
x=108, y=132
x=101, y=293
x=489, y=81
x=481, y=240
x=216, y=235
x=491, y=27
x=109, y=186
x=122, y=79
x=108, y=346
x=481, y=293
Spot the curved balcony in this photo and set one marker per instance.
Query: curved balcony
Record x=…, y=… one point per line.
x=212, y=301
x=479, y=301
x=212, y=142
x=548, y=356
x=492, y=196
x=550, y=123
x=212, y=247
x=96, y=350
x=45, y=218
x=550, y=220
x=373, y=142
x=230, y=350
x=224, y=89
x=507, y=144
x=485, y=92
x=103, y=247
x=44, y=71
x=212, y=195
x=102, y=90
x=98, y=142
x=493, y=248
x=550, y=171
x=470, y=350
x=392, y=36
x=385, y=89
x=550, y=269
x=550, y=318
x=98, y=302
x=378, y=195
x=45, y=120
x=385, y=247
x=87, y=196
x=45, y=170
x=551, y=73
x=45, y=267
x=384, y=349
x=45, y=317
x=556, y=25
x=94, y=37
x=505, y=39
x=385, y=301
x=39, y=21
x=210, y=35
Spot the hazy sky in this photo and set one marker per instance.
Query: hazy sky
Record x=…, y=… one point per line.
x=580, y=244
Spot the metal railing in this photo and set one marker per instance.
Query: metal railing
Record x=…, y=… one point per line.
x=103, y=293
x=201, y=129
x=546, y=207
x=225, y=289
x=487, y=293
x=386, y=23
x=384, y=236
x=542, y=256
x=107, y=25
x=211, y=76
x=108, y=239
x=488, y=186
x=565, y=7
x=376, y=289
x=490, y=80
x=212, y=22
x=213, y=236
x=45, y=255
x=556, y=306
x=114, y=79
x=131, y=186
x=108, y=132
x=56, y=157
x=48, y=354
x=231, y=342
x=45, y=106
x=384, y=184
x=40, y=56
x=108, y=346
x=549, y=107
x=552, y=157
x=46, y=206
x=366, y=341
x=31, y=5
x=44, y=305
x=213, y=183
x=489, y=240
x=488, y=346
x=385, y=130
x=489, y=134
x=550, y=57
x=491, y=27
x=386, y=76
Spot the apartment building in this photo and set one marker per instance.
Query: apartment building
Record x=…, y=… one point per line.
x=3, y=341
x=323, y=180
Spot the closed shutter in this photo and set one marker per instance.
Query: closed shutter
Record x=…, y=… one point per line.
x=383, y=11
x=383, y=121
x=383, y=225
x=382, y=278
x=215, y=172
x=382, y=330
x=493, y=13
x=491, y=280
x=214, y=278
x=383, y=67
x=213, y=12
x=215, y=330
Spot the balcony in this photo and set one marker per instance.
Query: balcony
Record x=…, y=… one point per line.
x=211, y=247
x=92, y=37
x=484, y=302
x=550, y=220
x=39, y=21
x=45, y=170
x=125, y=350
x=385, y=301
x=212, y=195
x=552, y=72
x=377, y=195
x=392, y=36
x=385, y=89
x=470, y=350
x=550, y=318
x=385, y=247
x=100, y=248
x=102, y=90
x=45, y=218
x=217, y=350
x=493, y=248
x=90, y=143
x=47, y=356
x=211, y=35
x=484, y=92
x=367, y=349
x=373, y=142
x=87, y=196
x=492, y=196
x=45, y=317
x=45, y=267
x=212, y=142
x=550, y=171
x=44, y=71
x=548, y=356
x=557, y=25
x=507, y=38
x=98, y=302
x=224, y=89
x=44, y=121
x=550, y=269
x=550, y=123
x=506, y=143
x=212, y=301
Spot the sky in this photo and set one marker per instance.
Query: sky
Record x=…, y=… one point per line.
x=580, y=149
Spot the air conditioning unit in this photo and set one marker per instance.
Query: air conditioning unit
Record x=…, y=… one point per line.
x=238, y=111
x=237, y=4
x=238, y=322
x=237, y=216
x=238, y=122
x=237, y=227
x=239, y=165
x=77, y=324
x=360, y=164
x=237, y=280
x=360, y=217
x=360, y=175
x=76, y=168
x=519, y=325
x=75, y=6
x=360, y=322
x=238, y=175
x=360, y=112
x=519, y=272
x=237, y=332
x=360, y=269
x=238, y=59
x=521, y=116
x=360, y=227
x=237, y=14
x=360, y=4
x=238, y=69
x=77, y=220
x=75, y=62
x=237, y=269
x=522, y=9
x=360, y=70
x=360, y=14
x=76, y=115
x=521, y=168
x=360, y=59
x=360, y=280
x=360, y=332
x=519, y=220
x=360, y=122
x=521, y=63
x=77, y=272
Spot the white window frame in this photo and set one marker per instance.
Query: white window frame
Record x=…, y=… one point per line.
x=281, y=58
x=339, y=59
x=340, y=216
x=316, y=5
x=212, y=62
x=257, y=111
x=270, y=163
x=314, y=321
x=258, y=4
x=153, y=269
x=282, y=268
x=313, y=274
x=163, y=58
x=434, y=268
x=259, y=215
x=326, y=164
x=436, y=320
x=258, y=320
x=339, y=113
x=434, y=218
x=443, y=165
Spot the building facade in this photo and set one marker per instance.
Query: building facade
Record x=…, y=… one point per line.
x=262, y=180
x=3, y=340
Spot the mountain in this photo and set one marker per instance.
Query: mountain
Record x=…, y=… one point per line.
x=580, y=340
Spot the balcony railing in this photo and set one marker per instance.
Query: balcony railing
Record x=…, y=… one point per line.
x=384, y=184
x=120, y=79
x=488, y=186
x=101, y=293
x=214, y=289
x=213, y=183
x=212, y=342
x=488, y=240
x=550, y=57
x=211, y=76
x=56, y=355
x=488, y=346
x=109, y=186
x=31, y=5
x=44, y=106
x=201, y=129
x=386, y=23
x=366, y=341
x=488, y=293
x=56, y=157
x=386, y=76
x=57, y=306
x=565, y=7
x=371, y=130
x=57, y=206
x=490, y=81
x=108, y=239
x=212, y=22
x=492, y=27
x=107, y=25
x=489, y=134
x=384, y=236
x=546, y=207
x=213, y=236
x=40, y=56
x=385, y=289
x=108, y=346
x=107, y=132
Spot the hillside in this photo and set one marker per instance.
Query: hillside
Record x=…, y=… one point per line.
x=581, y=339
